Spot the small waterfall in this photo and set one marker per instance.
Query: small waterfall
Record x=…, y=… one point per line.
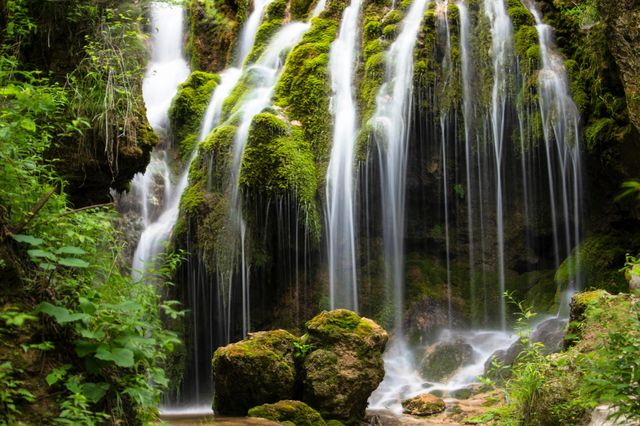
x=561, y=125
x=391, y=126
x=468, y=115
x=266, y=73
x=501, y=52
x=343, y=288
x=249, y=30
x=166, y=71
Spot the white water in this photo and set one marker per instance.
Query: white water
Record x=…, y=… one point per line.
x=250, y=29
x=166, y=71
x=343, y=288
x=561, y=121
x=501, y=52
x=403, y=381
x=465, y=63
x=391, y=122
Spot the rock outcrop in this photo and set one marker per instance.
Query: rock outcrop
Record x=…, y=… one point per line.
x=289, y=412
x=443, y=359
x=423, y=405
x=254, y=371
x=345, y=365
x=333, y=368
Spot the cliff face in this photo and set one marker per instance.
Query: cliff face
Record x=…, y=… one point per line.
x=623, y=19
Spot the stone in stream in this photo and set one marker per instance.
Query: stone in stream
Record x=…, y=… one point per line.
x=289, y=412
x=423, y=405
x=344, y=366
x=444, y=359
x=254, y=371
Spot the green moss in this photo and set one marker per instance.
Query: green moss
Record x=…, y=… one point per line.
x=188, y=107
x=296, y=412
x=300, y=9
x=213, y=28
x=272, y=22
x=596, y=262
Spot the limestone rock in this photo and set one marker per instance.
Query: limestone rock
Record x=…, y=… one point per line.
x=423, y=405
x=344, y=366
x=254, y=371
x=288, y=412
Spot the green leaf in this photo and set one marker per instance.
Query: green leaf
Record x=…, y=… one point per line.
x=28, y=124
x=47, y=266
x=84, y=348
x=57, y=374
x=41, y=253
x=28, y=239
x=94, y=391
x=70, y=250
x=61, y=315
x=92, y=334
x=120, y=356
x=73, y=262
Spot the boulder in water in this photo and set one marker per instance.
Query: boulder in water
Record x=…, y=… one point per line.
x=423, y=405
x=254, y=371
x=345, y=364
x=289, y=412
x=444, y=359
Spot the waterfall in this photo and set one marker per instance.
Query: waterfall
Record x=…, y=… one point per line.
x=501, y=52
x=266, y=73
x=561, y=126
x=166, y=71
x=343, y=288
x=249, y=30
x=391, y=125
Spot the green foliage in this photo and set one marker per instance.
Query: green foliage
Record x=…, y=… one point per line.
x=614, y=376
x=12, y=392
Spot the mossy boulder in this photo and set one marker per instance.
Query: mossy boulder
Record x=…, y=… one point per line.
x=188, y=107
x=254, y=371
x=444, y=359
x=289, y=412
x=580, y=302
x=345, y=364
x=423, y=405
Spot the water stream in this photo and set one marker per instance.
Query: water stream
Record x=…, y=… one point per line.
x=340, y=216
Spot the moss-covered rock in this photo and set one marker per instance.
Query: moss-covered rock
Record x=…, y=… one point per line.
x=444, y=359
x=288, y=412
x=423, y=405
x=213, y=29
x=345, y=365
x=596, y=262
x=188, y=107
x=254, y=371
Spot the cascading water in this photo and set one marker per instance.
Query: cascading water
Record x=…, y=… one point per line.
x=213, y=301
x=391, y=127
x=391, y=124
x=166, y=71
x=494, y=163
x=249, y=30
x=501, y=52
x=561, y=125
x=341, y=232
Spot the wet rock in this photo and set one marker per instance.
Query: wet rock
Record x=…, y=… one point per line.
x=423, y=405
x=551, y=334
x=344, y=366
x=289, y=412
x=444, y=359
x=254, y=371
